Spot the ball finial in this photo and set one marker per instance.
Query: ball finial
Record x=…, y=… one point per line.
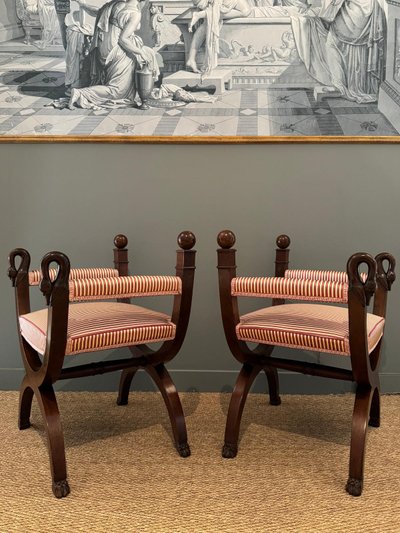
x=283, y=242
x=186, y=240
x=226, y=239
x=120, y=241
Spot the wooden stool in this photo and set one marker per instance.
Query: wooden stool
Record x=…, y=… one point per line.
x=49, y=335
x=348, y=331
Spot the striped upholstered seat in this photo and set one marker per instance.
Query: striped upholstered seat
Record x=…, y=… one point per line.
x=322, y=328
x=99, y=326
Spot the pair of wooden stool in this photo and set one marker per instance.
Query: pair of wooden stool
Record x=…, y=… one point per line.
x=79, y=317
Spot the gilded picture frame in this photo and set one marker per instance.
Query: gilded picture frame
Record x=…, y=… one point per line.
x=200, y=71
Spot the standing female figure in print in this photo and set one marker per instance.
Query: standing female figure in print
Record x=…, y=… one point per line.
x=343, y=46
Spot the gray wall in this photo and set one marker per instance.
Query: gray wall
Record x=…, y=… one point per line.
x=332, y=201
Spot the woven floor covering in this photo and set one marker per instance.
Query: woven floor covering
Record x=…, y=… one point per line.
x=125, y=475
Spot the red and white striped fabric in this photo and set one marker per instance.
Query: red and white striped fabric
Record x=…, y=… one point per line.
x=123, y=287
x=293, y=289
x=99, y=326
x=321, y=275
x=321, y=328
x=35, y=276
x=318, y=275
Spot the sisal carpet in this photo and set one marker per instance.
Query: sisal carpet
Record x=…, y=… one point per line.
x=125, y=475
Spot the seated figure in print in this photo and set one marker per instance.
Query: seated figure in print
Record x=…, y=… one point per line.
x=212, y=13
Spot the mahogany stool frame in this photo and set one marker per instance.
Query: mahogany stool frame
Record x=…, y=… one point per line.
x=364, y=366
x=42, y=372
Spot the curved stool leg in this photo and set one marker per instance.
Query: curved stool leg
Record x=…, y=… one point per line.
x=163, y=380
x=55, y=440
x=125, y=385
x=25, y=405
x=273, y=386
x=375, y=411
x=358, y=437
x=244, y=381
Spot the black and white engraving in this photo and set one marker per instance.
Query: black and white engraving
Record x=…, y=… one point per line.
x=160, y=68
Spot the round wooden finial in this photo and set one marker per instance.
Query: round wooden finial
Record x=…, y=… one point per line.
x=120, y=241
x=186, y=240
x=283, y=242
x=226, y=239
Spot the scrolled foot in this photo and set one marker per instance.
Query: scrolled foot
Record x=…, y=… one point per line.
x=183, y=449
x=374, y=422
x=61, y=488
x=122, y=401
x=24, y=424
x=354, y=486
x=229, y=451
x=275, y=401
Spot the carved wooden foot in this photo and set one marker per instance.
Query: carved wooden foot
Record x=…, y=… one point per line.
x=275, y=401
x=229, y=451
x=359, y=428
x=244, y=381
x=125, y=385
x=354, y=486
x=55, y=439
x=374, y=422
x=183, y=450
x=273, y=386
x=24, y=424
x=121, y=401
x=61, y=488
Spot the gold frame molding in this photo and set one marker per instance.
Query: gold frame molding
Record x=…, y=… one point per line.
x=114, y=139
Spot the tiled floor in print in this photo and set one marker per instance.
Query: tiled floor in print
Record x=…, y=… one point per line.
x=30, y=80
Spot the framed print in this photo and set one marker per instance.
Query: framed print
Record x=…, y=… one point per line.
x=210, y=71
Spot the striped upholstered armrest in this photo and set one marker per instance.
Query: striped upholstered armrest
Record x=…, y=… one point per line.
x=321, y=275
x=318, y=275
x=292, y=289
x=123, y=287
x=35, y=276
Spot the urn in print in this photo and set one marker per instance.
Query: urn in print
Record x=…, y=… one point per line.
x=145, y=84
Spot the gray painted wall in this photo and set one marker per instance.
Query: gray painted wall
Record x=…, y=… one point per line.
x=331, y=200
